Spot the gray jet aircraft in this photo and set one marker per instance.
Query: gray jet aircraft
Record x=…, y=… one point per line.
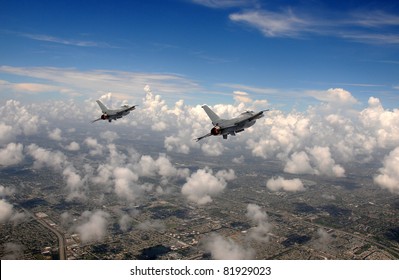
x=232, y=126
x=113, y=114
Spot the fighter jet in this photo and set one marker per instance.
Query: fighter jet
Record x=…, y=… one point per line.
x=113, y=114
x=232, y=126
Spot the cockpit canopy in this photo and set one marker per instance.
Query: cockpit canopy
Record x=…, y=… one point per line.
x=247, y=112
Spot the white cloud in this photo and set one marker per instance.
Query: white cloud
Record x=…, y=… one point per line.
x=125, y=222
x=222, y=248
x=241, y=96
x=110, y=136
x=212, y=148
x=323, y=239
x=320, y=163
x=60, y=163
x=7, y=133
x=178, y=143
x=93, y=227
x=58, y=40
x=6, y=191
x=13, y=251
x=121, y=172
x=370, y=27
x=162, y=166
x=289, y=185
x=11, y=154
x=32, y=88
x=324, y=164
x=73, y=146
x=202, y=185
x=74, y=183
x=125, y=183
x=273, y=24
x=46, y=158
x=95, y=148
x=92, y=83
x=335, y=96
x=6, y=211
x=263, y=227
x=217, y=4
x=299, y=164
x=55, y=134
x=20, y=118
x=319, y=141
x=389, y=173
x=238, y=160
x=381, y=124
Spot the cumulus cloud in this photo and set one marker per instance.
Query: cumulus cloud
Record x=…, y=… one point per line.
x=125, y=183
x=109, y=136
x=11, y=154
x=320, y=162
x=289, y=185
x=212, y=149
x=389, y=173
x=162, y=166
x=323, y=239
x=241, y=96
x=324, y=164
x=318, y=141
x=125, y=222
x=6, y=211
x=202, y=185
x=46, y=158
x=222, y=248
x=20, y=118
x=73, y=146
x=299, y=163
x=381, y=124
x=93, y=227
x=6, y=191
x=335, y=96
x=7, y=133
x=263, y=227
x=12, y=251
x=60, y=163
x=95, y=148
x=122, y=170
x=238, y=160
x=55, y=134
x=74, y=183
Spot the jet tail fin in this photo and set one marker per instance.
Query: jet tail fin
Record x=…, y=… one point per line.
x=102, y=106
x=211, y=114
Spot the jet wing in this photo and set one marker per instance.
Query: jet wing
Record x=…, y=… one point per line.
x=129, y=109
x=96, y=120
x=251, y=118
x=202, y=137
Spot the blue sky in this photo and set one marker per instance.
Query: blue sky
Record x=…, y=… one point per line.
x=201, y=50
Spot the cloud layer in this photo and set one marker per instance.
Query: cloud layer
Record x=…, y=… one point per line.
x=320, y=141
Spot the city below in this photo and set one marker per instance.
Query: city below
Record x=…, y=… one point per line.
x=344, y=218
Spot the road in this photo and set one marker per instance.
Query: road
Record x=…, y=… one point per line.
x=60, y=236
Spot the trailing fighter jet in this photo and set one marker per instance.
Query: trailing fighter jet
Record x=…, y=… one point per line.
x=232, y=126
x=113, y=114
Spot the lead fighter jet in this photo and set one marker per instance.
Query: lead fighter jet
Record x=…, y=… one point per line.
x=232, y=126
x=113, y=114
